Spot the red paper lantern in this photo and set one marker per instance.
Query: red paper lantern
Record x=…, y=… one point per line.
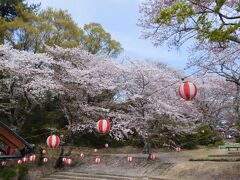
x=222, y=134
x=64, y=159
x=153, y=156
x=68, y=161
x=19, y=161
x=82, y=155
x=32, y=158
x=3, y=163
x=97, y=160
x=106, y=146
x=53, y=141
x=129, y=158
x=103, y=126
x=45, y=160
x=95, y=150
x=24, y=159
x=10, y=151
x=178, y=149
x=187, y=90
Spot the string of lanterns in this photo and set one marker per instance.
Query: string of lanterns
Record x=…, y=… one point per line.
x=187, y=90
x=69, y=161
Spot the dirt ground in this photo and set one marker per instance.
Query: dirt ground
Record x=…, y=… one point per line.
x=169, y=165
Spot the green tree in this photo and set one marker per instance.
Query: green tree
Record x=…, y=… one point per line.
x=9, y=11
x=57, y=28
x=20, y=32
x=97, y=40
x=215, y=21
x=213, y=24
x=31, y=32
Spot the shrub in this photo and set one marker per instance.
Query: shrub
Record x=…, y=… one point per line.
x=22, y=172
x=156, y=142
x=98, y=141
x=188, y=141
x=210, y=146
x=205, y=135
x=135, y=142
x=219, y=143
x=7, y=173
x=237, y=139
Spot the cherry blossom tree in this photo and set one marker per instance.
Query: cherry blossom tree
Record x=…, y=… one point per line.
x=212, y=27
x=215, y=98
x=87, y=85
x=180, y=20
x=25, y=75
x=223, y=62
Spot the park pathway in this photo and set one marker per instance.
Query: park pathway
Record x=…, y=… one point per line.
x=169, y=165
x=114, y=166
x=87, y=176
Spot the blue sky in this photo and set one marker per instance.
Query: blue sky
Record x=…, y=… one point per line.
x=119, y=18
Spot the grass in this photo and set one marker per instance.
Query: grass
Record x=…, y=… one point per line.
x=224, y=155
x=216, y=160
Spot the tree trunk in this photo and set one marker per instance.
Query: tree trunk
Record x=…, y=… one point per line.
x=40, y=159
x=237, y=105
x=147, y=146
x=59, y=163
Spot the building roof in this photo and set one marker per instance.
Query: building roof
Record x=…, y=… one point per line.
x=13, y=140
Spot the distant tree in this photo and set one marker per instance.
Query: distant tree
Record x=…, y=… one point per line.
x=8, y=8
x=57, y=28
x=19, y=32
x=97, y=41
x=32, y=32
x=9, y=11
